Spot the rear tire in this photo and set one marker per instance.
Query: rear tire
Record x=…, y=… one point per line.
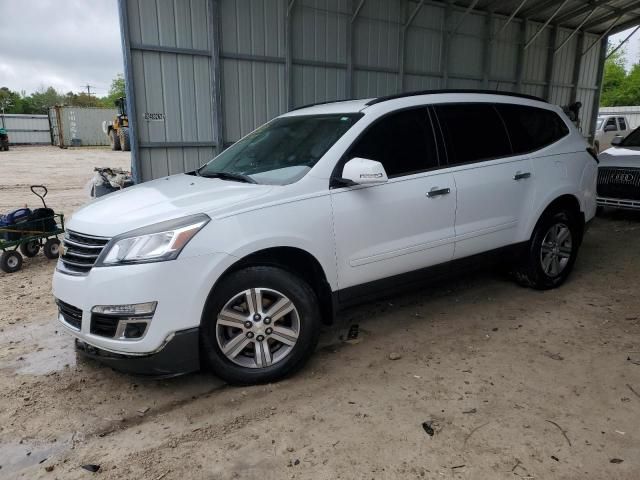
x=114, y=140
x=244, y=318
x=551, y=252
x=51, y=248
x=124, y=139
x=10, y=261
x=30, y=248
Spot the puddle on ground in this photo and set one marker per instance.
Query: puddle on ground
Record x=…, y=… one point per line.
x=16, y=456
x=36, y=348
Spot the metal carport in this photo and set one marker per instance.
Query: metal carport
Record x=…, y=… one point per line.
x=202, y=73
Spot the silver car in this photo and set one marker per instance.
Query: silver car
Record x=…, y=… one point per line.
x=609, y=127
x=619, y=173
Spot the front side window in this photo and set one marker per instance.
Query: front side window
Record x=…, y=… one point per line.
x=632, y=140
x=611, y=123
x=531, y=128
x=472, y=132
x=403, y=142
x=281, y=151
x=622, y=123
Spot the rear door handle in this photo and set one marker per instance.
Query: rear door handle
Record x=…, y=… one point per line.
x=521, y=175
x=438, y=191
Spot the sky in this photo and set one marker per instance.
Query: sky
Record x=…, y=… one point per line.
x=72, y=43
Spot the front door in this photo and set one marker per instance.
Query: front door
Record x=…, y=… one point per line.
x=405, y=224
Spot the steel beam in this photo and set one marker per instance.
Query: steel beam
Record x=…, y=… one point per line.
x=573, y=14
x=596, y=98
x=603, y=36
x=216, y=74
x=617, y=15
x=621, y=27
x=546, y=23
x=136, y=169
x=446, y=41
x=522, y=35
x=486, y=49
x=623, y=42
x=357, y=11
x=464, y=15
x=402, y=44
x=577, y=65
x=566, y=40
x=511, y=17
x=538, y=7
x=288, y=65
x=550, y=63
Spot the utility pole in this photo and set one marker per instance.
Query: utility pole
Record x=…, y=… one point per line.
x=88, y=87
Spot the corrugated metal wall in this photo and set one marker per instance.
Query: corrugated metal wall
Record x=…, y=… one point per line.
x=202, y=75
x=81, y=126
x=26, y=129
x=632, y=113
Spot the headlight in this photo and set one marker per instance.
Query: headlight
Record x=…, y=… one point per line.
x=156, y=243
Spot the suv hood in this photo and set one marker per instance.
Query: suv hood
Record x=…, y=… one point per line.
x=163, y=199
x=620, y=157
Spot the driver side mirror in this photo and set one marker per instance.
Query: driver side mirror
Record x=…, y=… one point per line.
x=610, y=128
x=617, y=140
x=362, y=171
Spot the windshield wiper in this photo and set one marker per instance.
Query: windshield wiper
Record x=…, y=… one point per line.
x=236, y=177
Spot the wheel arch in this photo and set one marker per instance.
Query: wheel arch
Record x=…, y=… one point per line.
x=566, y=201
x=296, y=261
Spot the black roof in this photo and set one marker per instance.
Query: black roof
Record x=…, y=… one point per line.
x=431, y=92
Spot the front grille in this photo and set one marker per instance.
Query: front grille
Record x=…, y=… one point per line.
x=80, y=252
x=104, y=325
x=71, y=315
x=619, y=182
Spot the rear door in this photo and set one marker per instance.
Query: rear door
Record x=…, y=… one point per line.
x=494, y=187
x=405, y=224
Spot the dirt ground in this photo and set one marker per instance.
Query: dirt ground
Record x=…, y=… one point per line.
x=512, y=383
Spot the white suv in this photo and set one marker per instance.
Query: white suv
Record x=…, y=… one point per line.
x=238, y=264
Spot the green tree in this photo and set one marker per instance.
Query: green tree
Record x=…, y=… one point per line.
x=116, y=90
x=614, y=80
x=10, y=102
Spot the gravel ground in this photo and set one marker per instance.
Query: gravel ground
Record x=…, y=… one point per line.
x=489, y=380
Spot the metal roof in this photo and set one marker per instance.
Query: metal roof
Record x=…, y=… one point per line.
x=596, y=16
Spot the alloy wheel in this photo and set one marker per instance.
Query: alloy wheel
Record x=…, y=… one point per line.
x=257, y=328
x=556, y=249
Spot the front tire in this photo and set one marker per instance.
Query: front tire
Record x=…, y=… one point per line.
x=124, y=139
x=551, y=253
x=114, y=140
x=261, y=324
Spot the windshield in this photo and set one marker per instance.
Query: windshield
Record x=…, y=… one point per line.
x=632, y=140
x=281, y=151
x=599, y=123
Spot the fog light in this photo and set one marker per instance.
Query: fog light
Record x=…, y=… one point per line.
x=135, y=330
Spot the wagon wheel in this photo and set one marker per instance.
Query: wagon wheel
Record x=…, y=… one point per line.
x=10, y=261
x=51, y=248
x=30, y=248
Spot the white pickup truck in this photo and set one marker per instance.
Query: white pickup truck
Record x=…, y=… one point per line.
x=608, y=127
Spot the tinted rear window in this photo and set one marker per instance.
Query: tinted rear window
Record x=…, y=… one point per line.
x=472, y=132
x=531, y=128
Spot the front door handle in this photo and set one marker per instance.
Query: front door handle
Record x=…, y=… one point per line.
x=438, y=191
x=521, y=175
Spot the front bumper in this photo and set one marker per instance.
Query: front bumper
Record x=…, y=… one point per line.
x=177, y=356
x=618, y=203
x=180, y=287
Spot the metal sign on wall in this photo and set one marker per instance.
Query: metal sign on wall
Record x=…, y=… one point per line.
x=201, y=74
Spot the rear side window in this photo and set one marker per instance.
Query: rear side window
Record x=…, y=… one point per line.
x=531, y=128
x=472, y=132
x=622, y=123
x=403, y=142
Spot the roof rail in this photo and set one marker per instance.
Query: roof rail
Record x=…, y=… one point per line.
x=321, y=103
x=431, y=92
